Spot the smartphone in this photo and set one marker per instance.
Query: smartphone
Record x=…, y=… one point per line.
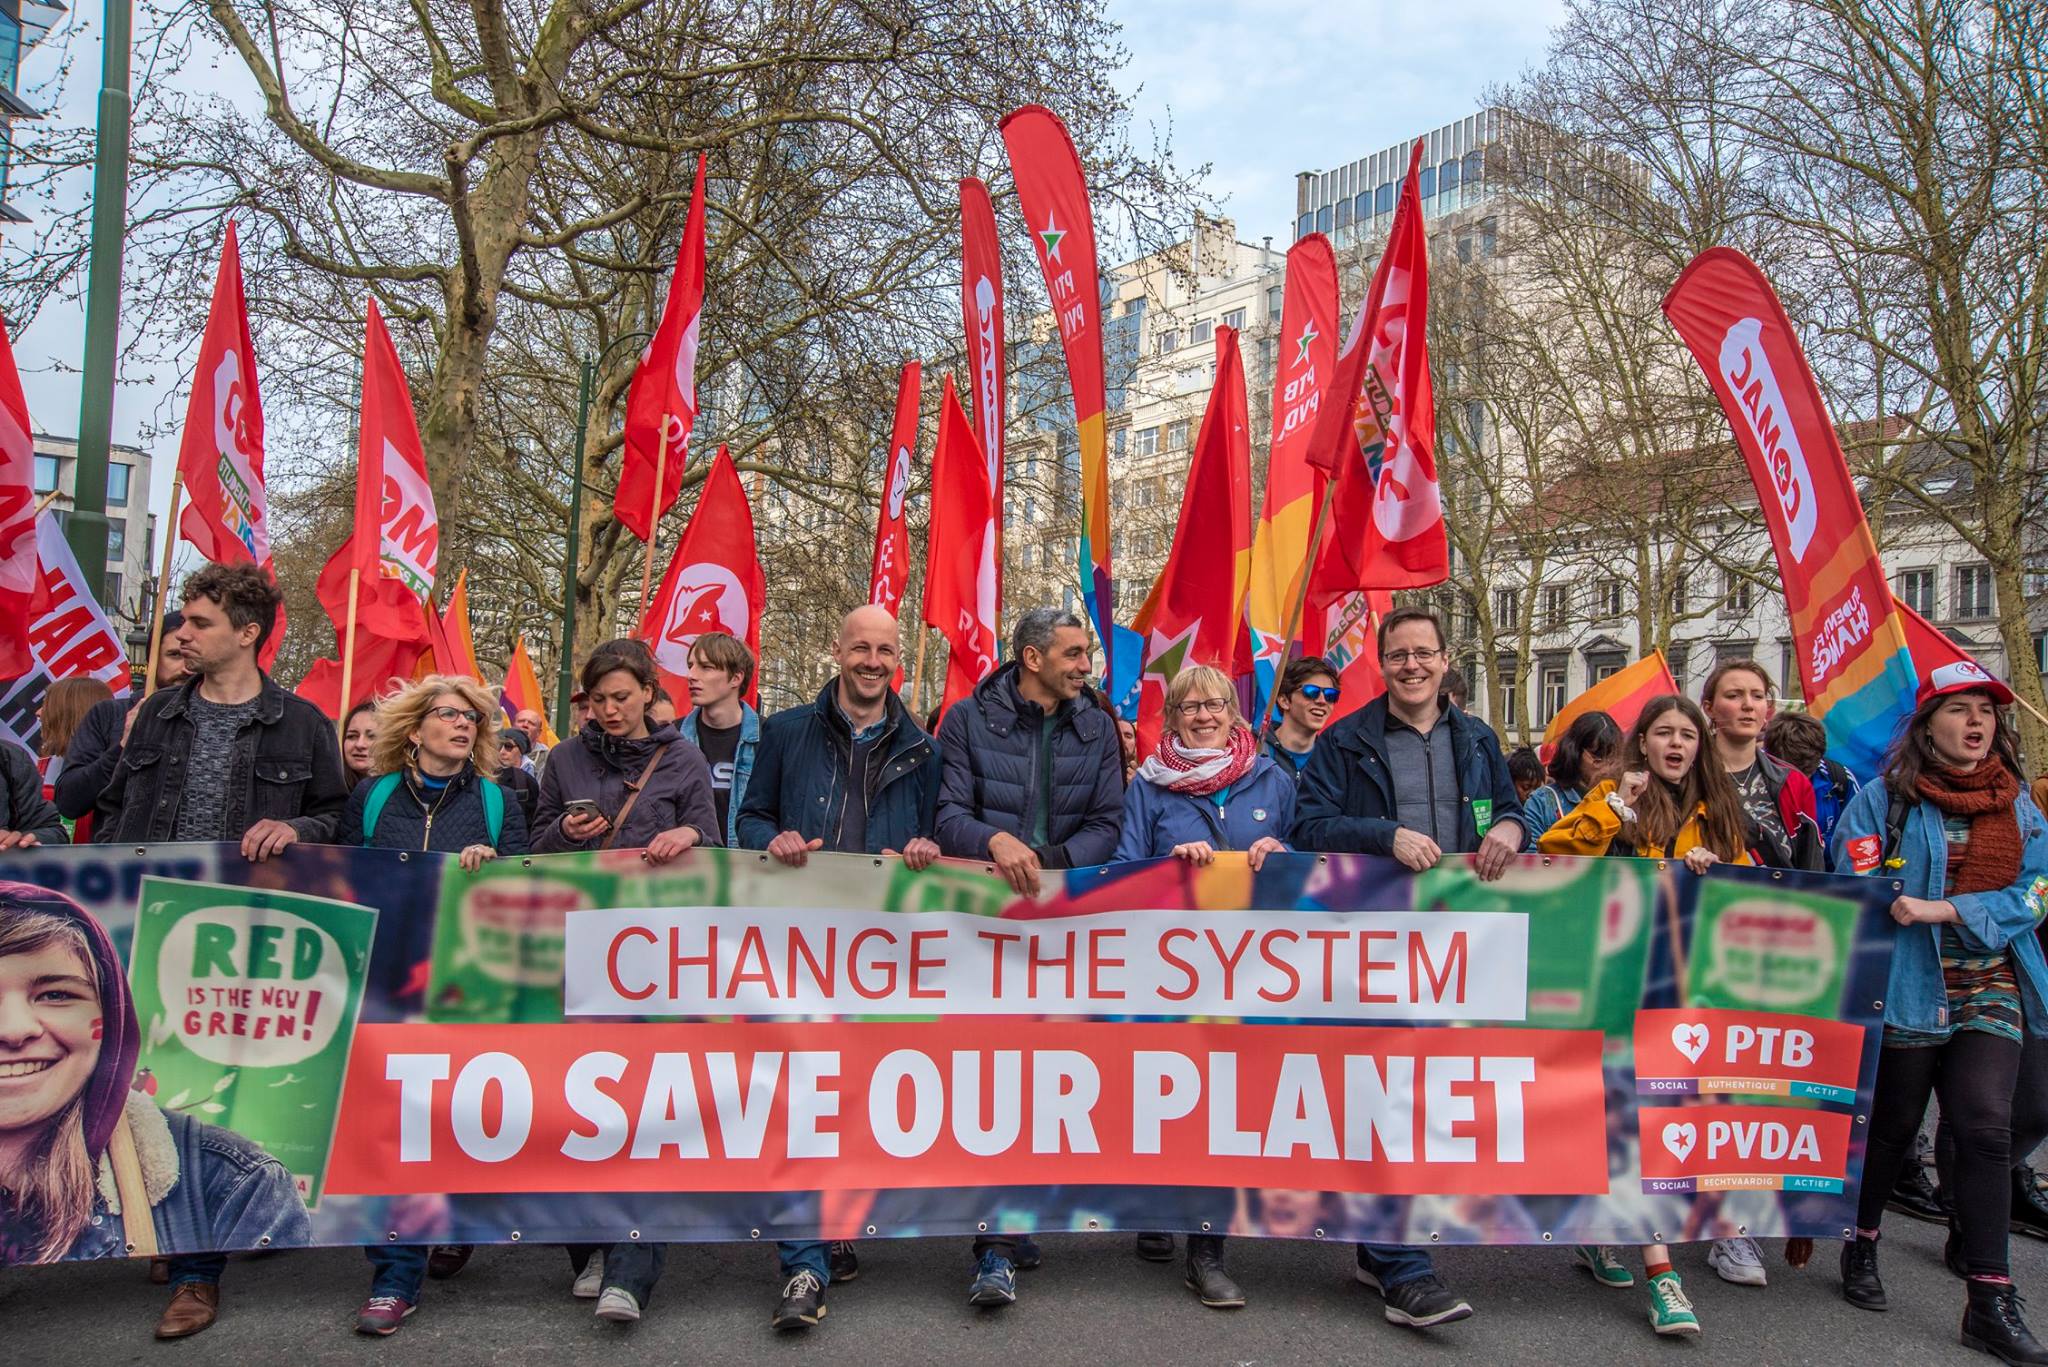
x=581, y=806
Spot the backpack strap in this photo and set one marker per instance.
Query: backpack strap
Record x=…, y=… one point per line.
x=1897, y=808
x=381, y=789
x=494, y=808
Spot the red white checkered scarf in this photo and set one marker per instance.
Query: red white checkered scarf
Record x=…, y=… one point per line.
x=1200, y=772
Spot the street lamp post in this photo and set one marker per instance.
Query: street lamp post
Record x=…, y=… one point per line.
x=86, y=528
x=565, y=676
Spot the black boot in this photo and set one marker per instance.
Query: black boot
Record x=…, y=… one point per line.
x=1155, y=1248
x=2029, y=1204
x=1992, y=1323
x=1206, y=1277
x=1916, y=1195
x=1860, y=1284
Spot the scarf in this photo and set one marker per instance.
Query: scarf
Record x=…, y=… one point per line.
x=621, y=755
x=1985, y=795
x=1181, y=769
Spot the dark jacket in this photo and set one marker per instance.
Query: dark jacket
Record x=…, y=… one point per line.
x=799, y=781
x=678, y=793
x=525, y=787
x=286, y=767
x=459, y=819
x=1156, y=819
x=21, y=790
x=94, y=751
x=990, y=740
x=1347, y=799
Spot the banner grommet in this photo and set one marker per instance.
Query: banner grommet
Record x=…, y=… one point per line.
x=1546, y=1236
x=753, y=1234
x=871, y=1229
x=1319, y=1231
x=981, y=1227
x=391, y=1236
x=515, y=1236
x=632, y=1234
x=1095, y=1224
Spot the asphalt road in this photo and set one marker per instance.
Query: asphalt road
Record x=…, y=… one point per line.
x=1091, y=1304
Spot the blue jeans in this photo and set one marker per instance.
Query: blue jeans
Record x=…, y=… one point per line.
x=397, y=1269
x=203, y=1269
x=804, y=1257
x=635, y=1267
x=1395, y=1264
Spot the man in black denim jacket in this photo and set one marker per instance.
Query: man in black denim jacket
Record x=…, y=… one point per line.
x=226, y=755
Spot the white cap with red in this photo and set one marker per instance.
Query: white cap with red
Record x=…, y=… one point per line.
x=1962, y=676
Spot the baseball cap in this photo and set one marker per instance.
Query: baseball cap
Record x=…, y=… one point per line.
x=1961, y=676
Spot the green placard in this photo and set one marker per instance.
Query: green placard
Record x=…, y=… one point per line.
x=248, y=1005
x=1769, y=949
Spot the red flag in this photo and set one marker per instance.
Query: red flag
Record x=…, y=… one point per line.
x=455, y=627
x=960, y=553
x=19, y=567
x=1196, y=610
x=220, y=455
x=1378, y=437
x=396, y=564
x=1348, y=631
x=714, y=583
x=381, y=664
x=1929, y=645
x=981, y=307
x=661, y=403
x=889, y=571
x=522, y=692
x=1853, y=666
x=1053, y=194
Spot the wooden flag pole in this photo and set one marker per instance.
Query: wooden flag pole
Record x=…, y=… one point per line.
x=1294, y=611
x=654, y=516
x=348, y=644
x=163, y=584
x=43, y=503
x=924, y=636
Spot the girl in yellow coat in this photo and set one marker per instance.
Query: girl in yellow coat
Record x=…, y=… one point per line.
x=1673, y=799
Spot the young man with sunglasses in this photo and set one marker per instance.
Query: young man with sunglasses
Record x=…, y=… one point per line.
x=1411, y=776
x=1307, y=696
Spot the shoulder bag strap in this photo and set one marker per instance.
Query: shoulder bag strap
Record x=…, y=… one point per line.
x=633, y=791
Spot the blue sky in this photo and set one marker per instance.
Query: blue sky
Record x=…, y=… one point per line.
x=1257, y=89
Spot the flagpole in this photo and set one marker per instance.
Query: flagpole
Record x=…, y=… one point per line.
x=924, y=637
x=163, y=583
x=654, y=515
x=1308, y=566
x=348, y=643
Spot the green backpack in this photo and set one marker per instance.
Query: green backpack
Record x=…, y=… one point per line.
x=387, y=784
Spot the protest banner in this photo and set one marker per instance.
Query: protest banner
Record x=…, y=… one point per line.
x=578, y=1047
x=248, y=1002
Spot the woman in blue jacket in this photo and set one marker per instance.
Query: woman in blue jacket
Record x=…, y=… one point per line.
x=1207, y=789
x=1951, y=820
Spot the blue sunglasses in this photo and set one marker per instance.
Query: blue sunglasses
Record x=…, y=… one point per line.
x=1320, y=692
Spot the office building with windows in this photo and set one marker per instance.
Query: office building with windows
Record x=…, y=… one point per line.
x=131, y=527
x=1353, y=205
x=23, y=24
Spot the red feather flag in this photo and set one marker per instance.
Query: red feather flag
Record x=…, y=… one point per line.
x=960, y=553
x=889, y=571
x=20, y=567
x=220, y=454
x=1378, y=439
x=714, y=583
x=981, y=308
x=661, y=403
x=1196, y=609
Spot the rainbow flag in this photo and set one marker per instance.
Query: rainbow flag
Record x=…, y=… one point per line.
x=1621, y=696
x=522, y=690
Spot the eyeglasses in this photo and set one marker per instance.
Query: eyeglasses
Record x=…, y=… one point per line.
x=468, y=714
x=1424, y=656
x=1320, y=692
x=1198, y=706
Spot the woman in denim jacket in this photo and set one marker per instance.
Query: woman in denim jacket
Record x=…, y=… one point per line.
x=1951, y=821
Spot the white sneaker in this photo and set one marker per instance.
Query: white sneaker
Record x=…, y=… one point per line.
x=618, y=1305
x=1737, y=1260
x=590, y=1280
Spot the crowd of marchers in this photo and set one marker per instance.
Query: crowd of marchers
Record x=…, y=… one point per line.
x=1034, y=771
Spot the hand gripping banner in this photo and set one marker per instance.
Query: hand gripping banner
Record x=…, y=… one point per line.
x=571, y=1048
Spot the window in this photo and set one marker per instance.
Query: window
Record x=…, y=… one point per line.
x=1681, y=592
x=1361, y=208
x=1489, y=237
x=1169, y=340
x=1738, y=595
x=1973, y=591
x=1507, y=696
x=1343, y=213
x=1556, y=607
x=46, y=474
x=114, y=591
x=1306, y=226
x=1608, y=599
x=1916, y=589
x=1177, y=435
x=1602, y=667
x=1323, y=219
x=1507, y=609
x=1447, y=175
x=1788, y=669
x=1275, y=298
x=1679, y=657
x=1465, y=247
x=117, y=484
x=1234, y=320
x=1200, y=332
x=2041, y=653
x=1383, y=199
x=1134, y=308
x=1554, y=695
x=1148, y=441
x=1426, y=182
x=117, y=538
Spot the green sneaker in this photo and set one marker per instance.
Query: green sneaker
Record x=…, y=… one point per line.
x=1670, y=1311
x=1604, y=1265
